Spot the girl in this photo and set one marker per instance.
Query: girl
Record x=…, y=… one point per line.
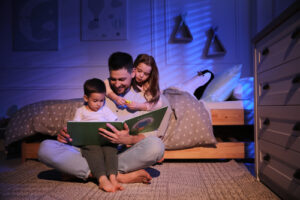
x=146, y=80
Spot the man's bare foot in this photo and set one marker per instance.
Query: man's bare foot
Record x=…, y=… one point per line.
x=105, y=184
x=114, y=181
x=139, y=176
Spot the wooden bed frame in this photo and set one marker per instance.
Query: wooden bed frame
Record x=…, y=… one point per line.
x=223, y=150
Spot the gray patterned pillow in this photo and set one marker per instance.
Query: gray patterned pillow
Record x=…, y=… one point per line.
x=46, y=117
x=190, y=124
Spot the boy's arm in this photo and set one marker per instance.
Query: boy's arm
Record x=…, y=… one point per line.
x=78, y=114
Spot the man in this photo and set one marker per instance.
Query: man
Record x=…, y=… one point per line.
x=146, y=149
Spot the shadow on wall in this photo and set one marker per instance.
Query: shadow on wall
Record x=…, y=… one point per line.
x=187, y=24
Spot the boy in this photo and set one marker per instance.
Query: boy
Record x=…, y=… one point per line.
x=102, y=160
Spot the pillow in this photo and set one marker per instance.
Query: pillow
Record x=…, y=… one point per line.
x=244, y=89
x=222, y=86
x=200, y=81
x=200, y=90
x=190, y=124
x=46, y=117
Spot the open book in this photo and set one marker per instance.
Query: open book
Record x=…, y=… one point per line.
x=86, y=133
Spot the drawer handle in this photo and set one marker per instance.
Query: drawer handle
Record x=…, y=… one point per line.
x=296, y=127
x=266, y=86
x=266, y=122
x=297, y=174
x=296, y=33
x=296, y=79
x=267, y=157
x=265, y=51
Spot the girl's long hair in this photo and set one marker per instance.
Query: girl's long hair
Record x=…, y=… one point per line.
x=152, y=92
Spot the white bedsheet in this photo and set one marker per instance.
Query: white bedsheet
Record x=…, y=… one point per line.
x=225, y=105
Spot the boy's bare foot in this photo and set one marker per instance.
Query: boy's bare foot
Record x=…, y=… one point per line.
x=114, y=181
x=139, y=176
x=105, y=184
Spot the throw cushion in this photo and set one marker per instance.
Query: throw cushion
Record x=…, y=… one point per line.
x=244, y=89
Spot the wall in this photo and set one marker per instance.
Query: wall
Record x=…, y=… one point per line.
x=265, y=11
x=30, y=76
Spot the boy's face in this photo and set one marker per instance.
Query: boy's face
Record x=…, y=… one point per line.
x=95, y=101
x=120, y=80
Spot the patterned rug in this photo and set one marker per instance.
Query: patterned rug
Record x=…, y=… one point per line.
x=171, y=180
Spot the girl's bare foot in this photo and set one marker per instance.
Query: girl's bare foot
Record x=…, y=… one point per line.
x=105, y=184
x=139, y=176
x=114, y=181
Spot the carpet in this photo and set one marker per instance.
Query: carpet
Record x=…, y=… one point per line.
x=171, y=180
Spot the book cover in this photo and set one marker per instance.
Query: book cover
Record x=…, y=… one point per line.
x=86, y=133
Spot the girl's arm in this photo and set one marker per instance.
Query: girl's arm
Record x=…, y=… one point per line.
x=147, y=106
x=110, y=94
x=119, y=100
x=132, y=105
x=154, y=106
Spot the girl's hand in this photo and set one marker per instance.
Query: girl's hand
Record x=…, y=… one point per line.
x=132, y=105
x=120, y=101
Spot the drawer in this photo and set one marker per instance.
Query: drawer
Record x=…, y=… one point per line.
x=280, y=85
x=280, y=125
x=281, y=46
x=278, y=174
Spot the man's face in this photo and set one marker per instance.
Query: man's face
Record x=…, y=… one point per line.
x=120, y=80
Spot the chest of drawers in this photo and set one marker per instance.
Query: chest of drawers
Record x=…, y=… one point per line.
x=277, y=104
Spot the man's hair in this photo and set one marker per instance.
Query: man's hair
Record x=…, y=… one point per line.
x=94, y=85
x=120, y=60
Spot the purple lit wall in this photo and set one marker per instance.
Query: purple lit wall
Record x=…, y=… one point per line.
x=30, y=76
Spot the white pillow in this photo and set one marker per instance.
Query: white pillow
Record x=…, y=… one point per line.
x=191, y=85
x=222, y=85
x=244, y=89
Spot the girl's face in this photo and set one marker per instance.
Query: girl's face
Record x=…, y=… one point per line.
x=142, y=73
x=95, y=101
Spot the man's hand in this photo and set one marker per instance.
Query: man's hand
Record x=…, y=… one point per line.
x=63, y=136
x=116, y=136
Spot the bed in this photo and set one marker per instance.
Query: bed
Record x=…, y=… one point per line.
x=226, y=113
x=230, y=113
x=223, y=150
x=46, y=118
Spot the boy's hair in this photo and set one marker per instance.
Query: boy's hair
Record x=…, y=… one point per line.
x=120, y=60
x=94, y=85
